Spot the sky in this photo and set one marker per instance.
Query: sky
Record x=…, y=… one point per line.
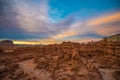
x=54, y=21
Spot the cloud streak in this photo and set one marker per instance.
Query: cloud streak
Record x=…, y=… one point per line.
x=104, y=19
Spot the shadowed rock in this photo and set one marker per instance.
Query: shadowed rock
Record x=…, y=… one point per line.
x=6, y=42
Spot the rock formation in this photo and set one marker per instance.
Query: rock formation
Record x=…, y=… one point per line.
x=6, y=42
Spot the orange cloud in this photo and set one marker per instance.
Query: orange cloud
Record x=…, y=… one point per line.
x=104, y=19
x=65, y=34
x=107, y=31
x=73, y=30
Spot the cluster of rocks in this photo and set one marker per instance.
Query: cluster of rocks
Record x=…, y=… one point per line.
x=65, y=61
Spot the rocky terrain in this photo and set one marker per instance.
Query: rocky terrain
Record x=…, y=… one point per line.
x=65, y=61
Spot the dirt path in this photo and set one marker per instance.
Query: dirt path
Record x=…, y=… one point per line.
x=28, y=67
x=107, y=74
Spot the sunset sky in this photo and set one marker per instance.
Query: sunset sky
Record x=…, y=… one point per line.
x=53, y=21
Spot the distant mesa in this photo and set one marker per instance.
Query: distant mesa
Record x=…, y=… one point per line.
x=115, y=37
x=6, y=42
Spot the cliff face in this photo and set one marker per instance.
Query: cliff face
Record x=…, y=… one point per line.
x=114, y=38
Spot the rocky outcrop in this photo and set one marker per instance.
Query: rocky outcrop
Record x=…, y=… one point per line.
x=6, y=42
x=114, y=38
